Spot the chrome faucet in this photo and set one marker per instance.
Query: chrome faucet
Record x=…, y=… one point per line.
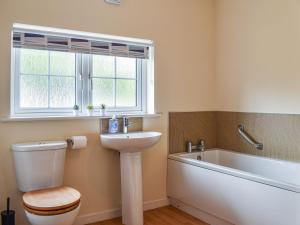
x=126, y=124
x=200, y=147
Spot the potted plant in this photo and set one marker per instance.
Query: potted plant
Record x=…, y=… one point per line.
x=75, y=110
x=102, y=109
x=90, y=109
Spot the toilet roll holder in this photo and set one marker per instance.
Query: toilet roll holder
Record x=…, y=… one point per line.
x=74, y=142
x=70, y=141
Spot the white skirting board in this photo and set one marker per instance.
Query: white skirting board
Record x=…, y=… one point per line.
x=201, y=215
x=114, y=213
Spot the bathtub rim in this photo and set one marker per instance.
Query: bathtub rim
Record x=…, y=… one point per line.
x=235, y=172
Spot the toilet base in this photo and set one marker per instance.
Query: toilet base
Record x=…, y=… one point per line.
x=61, y=219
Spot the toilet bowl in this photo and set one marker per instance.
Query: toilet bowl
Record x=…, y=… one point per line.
x=53, y=206
x=39, y=170
x=61, y=219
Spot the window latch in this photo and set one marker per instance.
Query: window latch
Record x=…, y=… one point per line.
x=91, y=81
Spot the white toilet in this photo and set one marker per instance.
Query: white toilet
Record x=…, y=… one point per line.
x=40, y=170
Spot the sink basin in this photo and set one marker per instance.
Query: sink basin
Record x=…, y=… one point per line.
x=131, y=142
x=130, y=147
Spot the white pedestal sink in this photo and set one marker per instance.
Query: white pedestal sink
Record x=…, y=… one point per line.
x=130, y=146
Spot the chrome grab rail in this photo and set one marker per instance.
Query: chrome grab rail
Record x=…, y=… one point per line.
x=248, y=138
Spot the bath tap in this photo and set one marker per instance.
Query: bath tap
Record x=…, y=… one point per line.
x=200, y=147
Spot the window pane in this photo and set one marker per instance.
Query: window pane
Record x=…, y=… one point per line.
x=33, y=91
x=103, y=66
x=62, y=92
x=103, y=92
x=62, y=63
x=126, y=93
x=34, y=61
x=126, y=67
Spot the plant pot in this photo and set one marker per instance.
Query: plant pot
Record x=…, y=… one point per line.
x=75, y=112
x=102, y=112
x=90, y=112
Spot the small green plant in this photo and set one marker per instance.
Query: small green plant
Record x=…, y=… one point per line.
x=90, y=107
x=76, y=107
x=103, y=106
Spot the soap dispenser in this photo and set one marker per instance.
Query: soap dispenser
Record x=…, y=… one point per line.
x=113, y=125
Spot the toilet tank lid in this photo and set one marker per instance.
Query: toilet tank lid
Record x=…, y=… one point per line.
x=39, y=146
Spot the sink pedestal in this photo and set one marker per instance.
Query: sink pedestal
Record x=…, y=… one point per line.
x=130, y=147
x=132, y=188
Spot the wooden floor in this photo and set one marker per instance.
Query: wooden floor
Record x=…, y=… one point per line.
x=162, y=216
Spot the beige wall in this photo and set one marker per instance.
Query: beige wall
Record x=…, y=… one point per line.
x=258, y=55
x=184, y=73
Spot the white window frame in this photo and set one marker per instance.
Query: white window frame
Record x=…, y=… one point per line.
x=83, y=92
x=141, y=86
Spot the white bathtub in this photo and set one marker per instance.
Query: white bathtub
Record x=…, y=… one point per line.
x=225, y=187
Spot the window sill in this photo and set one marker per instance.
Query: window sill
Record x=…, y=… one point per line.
x=80, y=117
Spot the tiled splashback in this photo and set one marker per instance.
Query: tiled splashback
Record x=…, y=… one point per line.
x=191, y=126
x=280, y=133
x=136, y=124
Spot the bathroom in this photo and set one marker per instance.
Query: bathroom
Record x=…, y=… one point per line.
x=215, y=64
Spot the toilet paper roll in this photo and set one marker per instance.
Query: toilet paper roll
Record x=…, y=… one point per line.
x=79, y=142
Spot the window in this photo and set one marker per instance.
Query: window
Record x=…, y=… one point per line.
x=116, y=81
x=45, y=80
x=51, y=80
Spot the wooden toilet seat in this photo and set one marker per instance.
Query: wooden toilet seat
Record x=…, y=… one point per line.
x=51, y=201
